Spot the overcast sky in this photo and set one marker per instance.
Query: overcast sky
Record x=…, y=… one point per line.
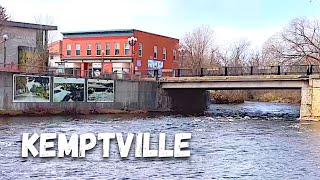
x=232, y=20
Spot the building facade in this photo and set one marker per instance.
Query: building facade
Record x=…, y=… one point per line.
x=21, y=39
x=110, y=51
x=55, y=53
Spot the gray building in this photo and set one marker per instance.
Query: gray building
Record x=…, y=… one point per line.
x=20, y=37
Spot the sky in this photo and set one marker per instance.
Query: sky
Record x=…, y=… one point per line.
x=231, y=20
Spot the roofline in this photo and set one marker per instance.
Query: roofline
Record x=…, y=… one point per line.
x=156, y=34
x=29, y=25
x=98, y=32
x=124, y=31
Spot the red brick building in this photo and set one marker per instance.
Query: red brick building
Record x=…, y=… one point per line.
x=55, y=53
x=110, y=51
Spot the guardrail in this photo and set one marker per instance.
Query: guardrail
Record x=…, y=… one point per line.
x=237, y=71
x=251, y=70
x=180, y=72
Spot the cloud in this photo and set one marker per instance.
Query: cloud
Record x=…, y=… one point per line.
x=81, y=15
x=158, y=16
x=256, y=36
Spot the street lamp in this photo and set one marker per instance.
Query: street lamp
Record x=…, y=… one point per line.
x=132, y=42
x=181, y=54
x=102, y=64
x=4, y=38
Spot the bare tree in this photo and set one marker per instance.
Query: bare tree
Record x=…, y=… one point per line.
x=236, y=54
x=299, y=43
x=47, y=20
x=198, y=45
x=4, y=17
x=256, y=58
x=239, y=53
x=270, y=53
x=223, y=57
x=43, y=40
x=3, y=14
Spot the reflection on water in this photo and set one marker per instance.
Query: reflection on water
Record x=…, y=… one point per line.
x=221, y=147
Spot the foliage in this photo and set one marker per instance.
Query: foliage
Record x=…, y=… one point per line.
x=32, y=60
x=21, y=82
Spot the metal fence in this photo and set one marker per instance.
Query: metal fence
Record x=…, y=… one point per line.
x=251, y=70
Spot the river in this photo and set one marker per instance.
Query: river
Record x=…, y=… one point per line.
x=223, y=146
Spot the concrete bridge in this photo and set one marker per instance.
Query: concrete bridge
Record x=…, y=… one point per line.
x=185, y=93
x=189, y=93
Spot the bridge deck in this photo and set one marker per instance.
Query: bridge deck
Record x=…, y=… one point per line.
x=237, y=78
x=237, y=82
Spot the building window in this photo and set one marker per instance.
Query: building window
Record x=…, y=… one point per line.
x=164, y=54
x=174, y=55
x=68, y=49
x=107, y=49
x=88, y=49
x=98, y=47
x=155, y=52
x=116, y=48
x=77, y=49
x=140, y=49
x=126, y=48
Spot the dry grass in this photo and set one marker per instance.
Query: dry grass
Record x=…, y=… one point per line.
x=239, y=96
x=283, y=96
x=228, y=96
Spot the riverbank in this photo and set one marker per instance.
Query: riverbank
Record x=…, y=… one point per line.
x=54, y=112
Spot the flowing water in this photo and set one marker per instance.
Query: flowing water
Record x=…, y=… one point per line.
x=265, y=142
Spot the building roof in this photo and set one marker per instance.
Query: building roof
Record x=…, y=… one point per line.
x=30, y=25
x=111, y=32
x=156, y=34
x=97, y=32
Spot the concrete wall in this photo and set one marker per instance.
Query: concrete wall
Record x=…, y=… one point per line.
x=310, y=100
x=136, y=94
x=146, y=95
x=132, y=95
x=5, y=90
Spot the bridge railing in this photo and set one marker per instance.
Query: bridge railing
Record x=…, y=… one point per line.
x=250, y=70
x=180, y=72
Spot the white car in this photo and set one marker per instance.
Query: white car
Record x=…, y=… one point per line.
x=59, y=94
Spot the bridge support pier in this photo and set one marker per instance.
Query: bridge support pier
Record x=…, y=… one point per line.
x=188, y=101
x=310, y=100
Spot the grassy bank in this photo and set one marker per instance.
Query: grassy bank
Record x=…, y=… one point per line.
x=239, y=96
